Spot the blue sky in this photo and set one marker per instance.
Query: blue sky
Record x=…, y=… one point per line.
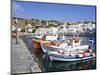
x=50, y=11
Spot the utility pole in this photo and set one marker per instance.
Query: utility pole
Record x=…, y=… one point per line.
x=16, y=21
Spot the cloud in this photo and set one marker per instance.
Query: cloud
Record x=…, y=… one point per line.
x=16, y=8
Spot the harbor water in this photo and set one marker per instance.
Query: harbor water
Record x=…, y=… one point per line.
x=54, y=66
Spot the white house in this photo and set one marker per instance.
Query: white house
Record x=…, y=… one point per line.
x=14, y=28
x=46, y=31
x=29, y=28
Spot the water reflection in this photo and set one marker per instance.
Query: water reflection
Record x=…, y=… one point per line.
x=52, y=66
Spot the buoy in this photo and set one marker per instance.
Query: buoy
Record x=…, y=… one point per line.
x=80, y=55
x=61, y=52
x=85, y=54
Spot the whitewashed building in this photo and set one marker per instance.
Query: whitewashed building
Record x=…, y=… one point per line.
x=29, y=28
x=46, y=31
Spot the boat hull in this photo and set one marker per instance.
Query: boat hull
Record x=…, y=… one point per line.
x=53, y=58
x=36, y=43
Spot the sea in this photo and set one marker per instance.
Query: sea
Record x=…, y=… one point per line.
x=54, y=66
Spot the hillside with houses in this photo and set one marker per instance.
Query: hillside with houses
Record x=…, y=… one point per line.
x=42, y=26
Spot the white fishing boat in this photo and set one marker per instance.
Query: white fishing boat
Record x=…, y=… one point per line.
x=68, y=51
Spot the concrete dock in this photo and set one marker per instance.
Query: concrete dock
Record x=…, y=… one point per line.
x=21, y=59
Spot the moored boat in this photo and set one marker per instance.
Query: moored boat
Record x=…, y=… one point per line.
x=38, y=39
x=68, y=51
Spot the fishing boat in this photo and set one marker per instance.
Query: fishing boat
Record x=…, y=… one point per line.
x=38, y=39
x=71, y=50
x=44, y=35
